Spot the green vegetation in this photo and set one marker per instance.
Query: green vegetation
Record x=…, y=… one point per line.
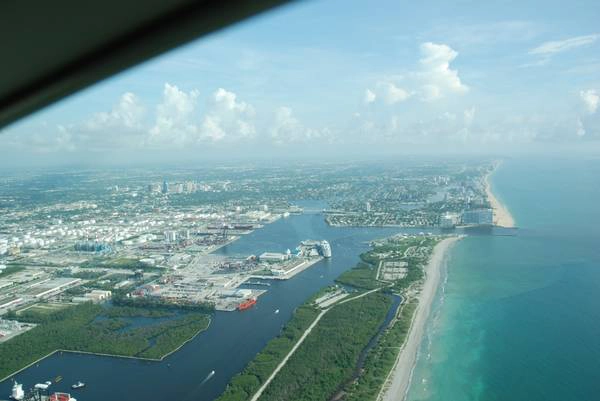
x=243, y=385
x=38, y=311
x=381, y=358
x=326, y=363
x=118, y=263
x=11, y=269
x=86, y=275
x=328, y=356
x=362, y=276
x=89, y=328
x=129, y=311
x=120, y=299
x=330, y=352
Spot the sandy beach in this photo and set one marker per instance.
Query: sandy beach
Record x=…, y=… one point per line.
x=502, y=216
x=398, y=381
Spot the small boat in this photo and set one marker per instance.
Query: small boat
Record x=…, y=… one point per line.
x=208, y=377
x=57, y=379
x=78, y=385
x=276, y=311
x=41, y=386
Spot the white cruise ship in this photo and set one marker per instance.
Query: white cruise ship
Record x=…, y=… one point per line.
x=325, y=249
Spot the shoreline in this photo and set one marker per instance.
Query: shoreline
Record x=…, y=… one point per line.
x=398, y=382
x=100, y=354
x=502, y=217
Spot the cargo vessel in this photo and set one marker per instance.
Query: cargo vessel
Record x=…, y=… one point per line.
x=61, y=397
x=247, y=304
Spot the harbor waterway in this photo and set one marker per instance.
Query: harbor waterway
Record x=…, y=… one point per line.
x=232, y=339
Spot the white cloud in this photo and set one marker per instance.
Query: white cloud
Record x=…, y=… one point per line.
x=388, y=92
x=590, y=99
x=287, y=128
x=393, y=94
x=177, y=123
x=469, y=116
x=122, y=126
x=126, y=114
x=227, y=118
x=436, y=73
x=174, y=116
x=558, y=46
x=430, y=92
x=370, y=96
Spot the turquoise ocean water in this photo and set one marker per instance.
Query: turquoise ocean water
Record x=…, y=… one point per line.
x=518, y=318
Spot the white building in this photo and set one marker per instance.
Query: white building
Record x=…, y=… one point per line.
x=171, y=236
x=449, y=220
x=273, y=257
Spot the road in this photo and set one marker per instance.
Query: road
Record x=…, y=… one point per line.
x=300, y=341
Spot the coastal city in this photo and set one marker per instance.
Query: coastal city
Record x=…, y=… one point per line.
x=103, y=248
x=274, y=200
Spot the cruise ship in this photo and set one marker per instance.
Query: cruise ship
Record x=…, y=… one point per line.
x=325, y=249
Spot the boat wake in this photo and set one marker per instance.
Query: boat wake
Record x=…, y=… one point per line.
x=210, y=375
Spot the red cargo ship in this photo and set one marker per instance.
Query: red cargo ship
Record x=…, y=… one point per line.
x=61, y=397
x=247, y=304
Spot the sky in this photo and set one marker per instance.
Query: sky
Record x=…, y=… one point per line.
x=343, y=78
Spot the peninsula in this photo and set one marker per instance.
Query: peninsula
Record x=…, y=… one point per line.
x=392, y=290
x=398, y=380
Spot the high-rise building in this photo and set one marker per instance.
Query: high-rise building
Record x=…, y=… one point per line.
x=190, y=187
x=478, y=217
x=170, y=236
x=165, y=187
x=448, y=220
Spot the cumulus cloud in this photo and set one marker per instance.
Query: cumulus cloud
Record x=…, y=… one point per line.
x=559, y=46
x=590, y=99
x=126, y=114
x=369, y=96
x=393, y=94
x=227, y=118
x=436, y=73
x=174, y=116
x=179, y=123
x=122, y=126
x=287, y=128
x=388, y=92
